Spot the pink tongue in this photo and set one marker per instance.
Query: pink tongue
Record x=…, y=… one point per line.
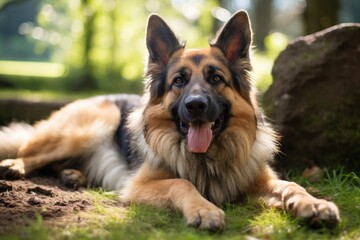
x=199, y=137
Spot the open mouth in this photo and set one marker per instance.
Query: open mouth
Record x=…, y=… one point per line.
x=200, y=133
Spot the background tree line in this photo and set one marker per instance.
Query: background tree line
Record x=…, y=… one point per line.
x=101, y=42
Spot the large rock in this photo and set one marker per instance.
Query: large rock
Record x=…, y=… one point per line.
x=315, y=99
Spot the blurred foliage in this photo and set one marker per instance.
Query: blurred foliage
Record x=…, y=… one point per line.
x=103, y=40
x=101, y=43
x=36, y=69
x=263, y=61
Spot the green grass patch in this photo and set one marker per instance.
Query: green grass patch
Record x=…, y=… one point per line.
x=34, y=69
x=242, y=221
x=47, y=95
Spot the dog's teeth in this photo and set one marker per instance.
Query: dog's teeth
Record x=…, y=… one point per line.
x=212, y=124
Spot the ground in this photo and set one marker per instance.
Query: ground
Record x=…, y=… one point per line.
x=39, y=207
x=23, y=201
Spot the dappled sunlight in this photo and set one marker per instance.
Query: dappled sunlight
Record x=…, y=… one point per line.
x=37, y=69
x=100, y=44
x=263, y=61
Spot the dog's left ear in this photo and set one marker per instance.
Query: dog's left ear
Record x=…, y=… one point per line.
x=234, y=39
x=160, y=40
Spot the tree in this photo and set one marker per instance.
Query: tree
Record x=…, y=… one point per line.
x=102, y=41
x=262, y=22
x=87, y=79
x=6, y=3
x=320, y=14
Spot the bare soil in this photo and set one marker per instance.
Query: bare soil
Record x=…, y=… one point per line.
x=22, y=200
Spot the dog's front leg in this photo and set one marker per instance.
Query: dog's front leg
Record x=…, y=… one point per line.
x=150, y=187
x=297, y=201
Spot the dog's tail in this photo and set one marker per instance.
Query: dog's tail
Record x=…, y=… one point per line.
x=12, y=137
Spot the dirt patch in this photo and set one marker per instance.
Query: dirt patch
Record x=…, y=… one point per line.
x=23, y=200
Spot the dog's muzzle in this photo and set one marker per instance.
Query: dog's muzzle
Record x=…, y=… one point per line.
x=199, y=122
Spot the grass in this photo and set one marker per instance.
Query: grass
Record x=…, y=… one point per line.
x=244, y=221
x=36, y=69
x=47, y=95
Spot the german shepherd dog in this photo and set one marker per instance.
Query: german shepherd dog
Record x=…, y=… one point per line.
x=195, y=140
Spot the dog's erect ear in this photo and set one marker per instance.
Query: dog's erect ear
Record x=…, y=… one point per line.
x=234, y=39
x=160, y=40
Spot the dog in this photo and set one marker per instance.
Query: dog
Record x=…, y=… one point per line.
x=195, y=140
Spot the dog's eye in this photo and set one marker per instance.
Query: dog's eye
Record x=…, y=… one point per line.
x=217, y=79
x=178, y=81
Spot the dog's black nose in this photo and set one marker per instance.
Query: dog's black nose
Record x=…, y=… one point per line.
x=196, y=104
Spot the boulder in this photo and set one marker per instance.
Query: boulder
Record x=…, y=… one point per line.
x=314, y=101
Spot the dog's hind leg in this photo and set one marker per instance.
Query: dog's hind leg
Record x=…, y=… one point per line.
x=72, y=178
x=73, y=131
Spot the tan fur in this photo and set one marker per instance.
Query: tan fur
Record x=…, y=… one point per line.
x=236, y=164
x=69, y=132
x=13, y=137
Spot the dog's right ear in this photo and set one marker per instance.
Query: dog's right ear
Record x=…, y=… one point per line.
x=161, y=42
x=234, y=39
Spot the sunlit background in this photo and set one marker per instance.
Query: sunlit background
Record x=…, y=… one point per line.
x=49, y=47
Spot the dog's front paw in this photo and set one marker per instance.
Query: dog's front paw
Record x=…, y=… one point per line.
x=208, y=217
x=317, y=212
x=12, y=169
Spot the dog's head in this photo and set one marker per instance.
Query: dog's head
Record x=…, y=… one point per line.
x=202, y=91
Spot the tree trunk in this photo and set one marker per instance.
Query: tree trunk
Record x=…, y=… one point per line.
x=87, y=80
x=5, y=3
x=320, y=14
x=262, y=22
